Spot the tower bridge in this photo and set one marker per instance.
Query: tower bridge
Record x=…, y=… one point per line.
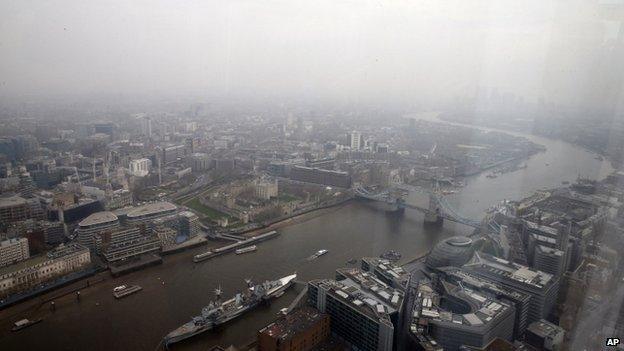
x=435, y=207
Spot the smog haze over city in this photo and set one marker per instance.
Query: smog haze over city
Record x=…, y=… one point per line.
x=381, y=51
x=311, y=175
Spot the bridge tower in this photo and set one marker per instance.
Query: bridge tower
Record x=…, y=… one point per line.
x=433, y=215
x=400, y=204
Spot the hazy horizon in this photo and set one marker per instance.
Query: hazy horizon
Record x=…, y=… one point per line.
x=395, y=52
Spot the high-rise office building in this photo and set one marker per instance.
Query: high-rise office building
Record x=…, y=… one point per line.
x=166, y=235
x=26, y=185
x=364, y=311
x=173, y=153
x=454, y=315
x=549, y=260
x=7, y=149
x=541, y=286
x=199, y=161
x=25, y=145
x=321, y=176
x=385, y=270
x=146, y=126
x=149, y=212
x=124, y=243
x=13, y=208
x=354, y=140
x=189, y=224
x=518, y=299
x=95, y=224
x=140, y=167
x=13, y=250
x=544, y=335
x=104, y=128
x=53, y=232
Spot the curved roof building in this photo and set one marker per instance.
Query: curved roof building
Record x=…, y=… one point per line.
x=454, y=251
x=150, y=212
x=457, y=316
x=94, y=224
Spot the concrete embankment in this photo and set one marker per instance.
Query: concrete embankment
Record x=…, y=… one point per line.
x=232, y=247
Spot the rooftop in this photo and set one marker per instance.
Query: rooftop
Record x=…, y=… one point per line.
x=474, y=281
x=98, y=218
x=544, y=328
x=188, y=214
x=461, y=241
x=293, y=323
x=544, y=238
x=11, y=201
x=542, y=228
x=388, y=269
x=549, y=250
x=151, y=209
x=59, y=251
x=498, y=344
x=454, y=251
x=33, y=261
x=11, y=241
x=500, y=267
x=482, y=310
x=65, y=249
x=81, y=202
x=365, y=292
x=321, y=170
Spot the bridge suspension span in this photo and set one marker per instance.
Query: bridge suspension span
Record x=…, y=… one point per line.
x=437, y=210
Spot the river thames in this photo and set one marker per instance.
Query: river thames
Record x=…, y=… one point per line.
x=177, y=289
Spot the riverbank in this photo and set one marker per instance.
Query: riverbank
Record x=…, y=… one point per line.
x=50, y=287
x=41, y=305
x=298, y=218
x=179, y=288
x=81, y=279
x=527, y=132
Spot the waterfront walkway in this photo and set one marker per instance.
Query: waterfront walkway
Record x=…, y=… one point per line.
x=44, y=288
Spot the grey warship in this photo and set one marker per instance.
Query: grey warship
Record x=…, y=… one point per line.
x=218, y=312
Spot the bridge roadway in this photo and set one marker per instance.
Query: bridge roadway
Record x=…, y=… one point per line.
x=438, y=205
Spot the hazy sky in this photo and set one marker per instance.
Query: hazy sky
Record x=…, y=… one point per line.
x=366, y=49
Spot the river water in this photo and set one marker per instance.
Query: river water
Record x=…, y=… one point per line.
x=177, y=289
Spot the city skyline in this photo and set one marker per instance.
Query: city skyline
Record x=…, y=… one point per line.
x=286, y=175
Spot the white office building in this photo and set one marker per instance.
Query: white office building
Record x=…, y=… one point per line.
x=140, y=167
x=13, y=250
x=40, y=269
x=355, y=140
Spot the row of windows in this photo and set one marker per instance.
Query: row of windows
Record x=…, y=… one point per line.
x=346, y=321
x=45, y=272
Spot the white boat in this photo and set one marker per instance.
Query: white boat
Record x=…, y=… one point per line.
x=127, y=291
x=119, y=288
x=318, y=254
x=247, y=249
x=24, y=323
x=203, y=256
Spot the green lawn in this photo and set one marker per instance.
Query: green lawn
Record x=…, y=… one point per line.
x=207, y=211
x=236, y=224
